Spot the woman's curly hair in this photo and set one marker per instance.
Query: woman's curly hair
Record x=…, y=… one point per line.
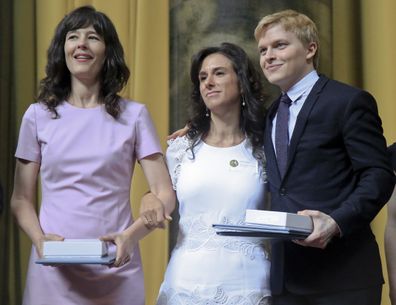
x=56, y=86
x=252, y=114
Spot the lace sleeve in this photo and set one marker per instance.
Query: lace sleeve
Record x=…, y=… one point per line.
x=177, y=148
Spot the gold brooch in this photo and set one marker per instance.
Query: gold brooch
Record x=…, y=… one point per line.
x=234, y=163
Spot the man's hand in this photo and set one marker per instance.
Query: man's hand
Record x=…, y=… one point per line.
x=178, y=133
x=324, y=229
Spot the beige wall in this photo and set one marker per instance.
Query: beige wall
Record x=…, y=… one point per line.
x=379, y=64
x=377, y=48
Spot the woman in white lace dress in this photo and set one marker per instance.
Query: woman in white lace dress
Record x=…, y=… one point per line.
x=217, y=172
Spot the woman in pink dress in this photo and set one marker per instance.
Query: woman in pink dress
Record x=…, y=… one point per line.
x=84, y=139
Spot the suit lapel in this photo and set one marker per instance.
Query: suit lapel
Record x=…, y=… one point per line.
x=303, y=116
x=272, y=165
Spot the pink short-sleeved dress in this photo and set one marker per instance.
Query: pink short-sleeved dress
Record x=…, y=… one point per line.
x=86, y=162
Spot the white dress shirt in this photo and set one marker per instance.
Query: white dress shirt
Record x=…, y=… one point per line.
x=298, y=94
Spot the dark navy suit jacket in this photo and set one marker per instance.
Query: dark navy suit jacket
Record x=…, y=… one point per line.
x=337, y=164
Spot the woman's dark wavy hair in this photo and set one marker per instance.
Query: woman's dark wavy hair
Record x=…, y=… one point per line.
x=252, y=114
x=56, y=86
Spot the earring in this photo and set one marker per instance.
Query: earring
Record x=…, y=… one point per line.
x=207, y=113
x=243, y=101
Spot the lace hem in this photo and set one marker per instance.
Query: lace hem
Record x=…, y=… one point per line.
x=218, y=297
x=196, y=234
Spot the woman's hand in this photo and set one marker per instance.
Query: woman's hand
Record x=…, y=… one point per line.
x=39, y=244
x=152, y=212
x=124, y=244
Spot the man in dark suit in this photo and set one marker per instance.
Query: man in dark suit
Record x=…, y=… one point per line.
x=336, y=171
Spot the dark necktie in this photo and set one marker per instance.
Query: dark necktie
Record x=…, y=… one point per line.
x=282, y=133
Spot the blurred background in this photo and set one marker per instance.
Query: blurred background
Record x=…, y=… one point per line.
x=159, y=36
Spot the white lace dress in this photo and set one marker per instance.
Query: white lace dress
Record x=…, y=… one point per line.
x=217, y=186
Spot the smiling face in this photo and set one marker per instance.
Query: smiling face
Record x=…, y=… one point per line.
x=219, y=86
x=283, y=57
x=85, y=54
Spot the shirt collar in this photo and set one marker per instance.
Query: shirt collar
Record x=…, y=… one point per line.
x=303, y=86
